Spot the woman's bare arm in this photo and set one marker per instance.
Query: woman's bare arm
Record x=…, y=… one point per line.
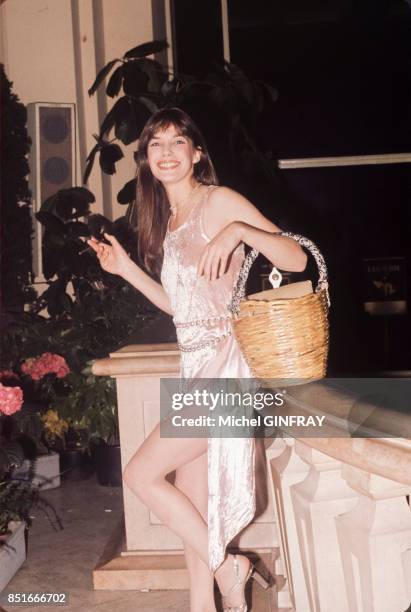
x=153, y=290
x=114, y=259
x=226, y=206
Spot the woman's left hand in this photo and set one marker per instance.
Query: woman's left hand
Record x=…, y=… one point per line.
x=214, y=260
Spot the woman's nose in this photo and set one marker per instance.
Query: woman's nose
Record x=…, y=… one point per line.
x=166, y=149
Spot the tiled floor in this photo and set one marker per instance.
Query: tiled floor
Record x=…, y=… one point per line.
x=63, y=560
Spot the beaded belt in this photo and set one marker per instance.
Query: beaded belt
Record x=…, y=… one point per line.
x=204, y=323
x=200, y=345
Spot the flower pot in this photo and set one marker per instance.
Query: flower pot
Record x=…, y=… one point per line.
x=107, y=461
x=47, y=471
x=75, y=464
x=12, y=552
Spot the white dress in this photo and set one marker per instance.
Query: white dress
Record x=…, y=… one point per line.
x=214, y=354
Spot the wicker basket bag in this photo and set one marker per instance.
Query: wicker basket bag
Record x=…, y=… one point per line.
x=283, y=332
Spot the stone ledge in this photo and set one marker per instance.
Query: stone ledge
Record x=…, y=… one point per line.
x=141, y=360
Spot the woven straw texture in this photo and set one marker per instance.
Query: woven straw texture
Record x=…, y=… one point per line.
x=285, y=338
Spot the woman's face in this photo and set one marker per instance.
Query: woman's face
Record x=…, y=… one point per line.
x=171, y=156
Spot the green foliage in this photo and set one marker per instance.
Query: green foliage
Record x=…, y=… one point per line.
x=11, y=455
x=16, y=224
x=29, y=422
x=16, y=500
x=100, y=321
x=89, y=402
x=19, y=497
x=226, y=98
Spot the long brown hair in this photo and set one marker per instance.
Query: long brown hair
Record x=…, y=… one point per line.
x=152, y=209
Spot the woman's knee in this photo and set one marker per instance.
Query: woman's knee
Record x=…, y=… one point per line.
x=191, y=480
x=137, y=475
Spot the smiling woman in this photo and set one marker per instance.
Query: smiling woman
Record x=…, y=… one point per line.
x=171, y=157
x=198, y=260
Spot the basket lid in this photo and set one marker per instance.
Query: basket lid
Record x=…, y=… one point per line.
x=292, y=290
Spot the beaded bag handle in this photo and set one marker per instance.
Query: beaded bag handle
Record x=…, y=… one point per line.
x=275, y=276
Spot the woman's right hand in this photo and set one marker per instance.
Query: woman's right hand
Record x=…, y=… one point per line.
x=112, y=257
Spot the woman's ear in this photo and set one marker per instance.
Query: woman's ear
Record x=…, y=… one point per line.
x=197, y=155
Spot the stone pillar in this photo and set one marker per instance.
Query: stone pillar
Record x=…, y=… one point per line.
x=375, y=543
x=152, y=555
x=317, y=501
x=287, y=469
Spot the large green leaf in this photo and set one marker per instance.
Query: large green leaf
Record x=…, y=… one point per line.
x=54, y=241
x=98, y=224
x=148, y=48
x=126, y=235
x=135, y=79
x=49, y=204
x=90, y=161
x=169, y=88
x=128, y=117
x=53, y=255
x=149, y=103
x=73, y=262
x=53, y=296
x=109, y=155
x=155, y=73
x=51, y=222
x=131, y=121
x=245, y=88
x=74, y=202
x=66, y=302
x=83, y=193
x=128, y=192
x=114, y=84
x=113, y=116
x=102, y=75
x=75, y=229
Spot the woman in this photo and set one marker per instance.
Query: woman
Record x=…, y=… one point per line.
x=192, y=233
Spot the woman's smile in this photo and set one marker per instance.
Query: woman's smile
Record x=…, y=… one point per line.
x=171, y=155
x=168, y=165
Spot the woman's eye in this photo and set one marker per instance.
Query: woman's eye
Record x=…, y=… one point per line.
x=153, y=144
x=180, y=141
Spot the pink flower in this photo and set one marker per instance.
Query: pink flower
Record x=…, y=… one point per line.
x=47, y=363
x=11, y=399
x=27, y=365
x=8, y=374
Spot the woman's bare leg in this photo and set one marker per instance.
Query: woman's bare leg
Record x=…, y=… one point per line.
x=145, y=476
x=192, y=480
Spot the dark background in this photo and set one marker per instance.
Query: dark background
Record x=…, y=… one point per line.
x=342, y=69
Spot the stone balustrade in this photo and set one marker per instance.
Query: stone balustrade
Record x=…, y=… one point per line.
x=337, y=522
x=342, y=506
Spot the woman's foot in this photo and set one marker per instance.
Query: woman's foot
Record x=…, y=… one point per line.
x=231, y=580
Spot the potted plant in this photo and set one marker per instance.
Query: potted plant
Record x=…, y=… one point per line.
x=91, y=405
x=17, y=496
x=101, y=319
x=104, y=430
x=55, y=429
x=66, y=428
x=69, y=440
x=36, y=376
x=12, y=531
